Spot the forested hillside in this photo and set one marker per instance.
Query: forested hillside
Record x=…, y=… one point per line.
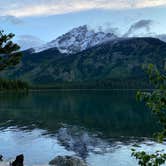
x=118, y=62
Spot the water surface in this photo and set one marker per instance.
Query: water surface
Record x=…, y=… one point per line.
x=98, y=126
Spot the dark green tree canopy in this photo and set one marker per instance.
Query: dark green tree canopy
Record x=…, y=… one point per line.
x=9, y=51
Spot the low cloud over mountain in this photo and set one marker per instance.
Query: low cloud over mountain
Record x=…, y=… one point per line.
x=140, y=25
x=29, y=41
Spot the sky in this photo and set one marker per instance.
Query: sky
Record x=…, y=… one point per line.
x=39, y=21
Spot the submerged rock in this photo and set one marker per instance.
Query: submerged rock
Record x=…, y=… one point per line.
x=2, y=162
x=19, y=161
x=67, y=161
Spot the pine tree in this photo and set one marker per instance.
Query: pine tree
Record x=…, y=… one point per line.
x=9, y=51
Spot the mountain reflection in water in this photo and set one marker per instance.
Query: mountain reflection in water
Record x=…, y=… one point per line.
x=89, y=124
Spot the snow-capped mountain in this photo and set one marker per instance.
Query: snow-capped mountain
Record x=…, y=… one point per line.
x=76, y=40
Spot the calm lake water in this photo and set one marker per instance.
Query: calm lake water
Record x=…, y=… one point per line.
x=99, y=126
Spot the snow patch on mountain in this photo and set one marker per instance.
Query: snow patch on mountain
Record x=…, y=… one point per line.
x=78, y=39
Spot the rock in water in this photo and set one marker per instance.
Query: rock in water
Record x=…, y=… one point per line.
x=67, y=161
x=19, y=161
x=1, y=157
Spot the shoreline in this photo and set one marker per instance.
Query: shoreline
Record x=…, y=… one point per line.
x=57, y=161
x=68, y=90
x=73, y=89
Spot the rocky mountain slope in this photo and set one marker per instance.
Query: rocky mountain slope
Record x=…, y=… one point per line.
x=76, y=40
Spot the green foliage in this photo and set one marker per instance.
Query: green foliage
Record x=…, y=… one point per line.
x=9, y=51
x=145, y=159
x=9, y=56
x=156, y=101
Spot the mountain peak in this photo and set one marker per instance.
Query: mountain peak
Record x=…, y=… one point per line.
x=78, y=39
x=82, y=28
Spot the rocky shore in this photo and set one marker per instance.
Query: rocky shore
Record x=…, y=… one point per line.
x=57, y=161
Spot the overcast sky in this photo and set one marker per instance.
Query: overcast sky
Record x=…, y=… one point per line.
x=21, y=8
x=47, y=19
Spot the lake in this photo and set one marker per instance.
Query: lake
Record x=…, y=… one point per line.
x=98, y=126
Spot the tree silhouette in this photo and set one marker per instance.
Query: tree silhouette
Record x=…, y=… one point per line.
x=9, y=51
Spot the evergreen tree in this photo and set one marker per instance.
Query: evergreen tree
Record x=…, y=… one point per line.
x=9, y=51
x=10, y=55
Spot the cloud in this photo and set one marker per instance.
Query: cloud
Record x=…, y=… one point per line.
x=29, y=41
x=11, y=19
x=142, y=24
x=21, y=8
x=107, y=28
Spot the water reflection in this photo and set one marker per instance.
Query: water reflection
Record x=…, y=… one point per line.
x=95, y=125
x=37, y=147
x=111, y=113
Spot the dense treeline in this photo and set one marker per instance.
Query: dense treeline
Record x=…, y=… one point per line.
x=13, y=85
x=131, y=83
